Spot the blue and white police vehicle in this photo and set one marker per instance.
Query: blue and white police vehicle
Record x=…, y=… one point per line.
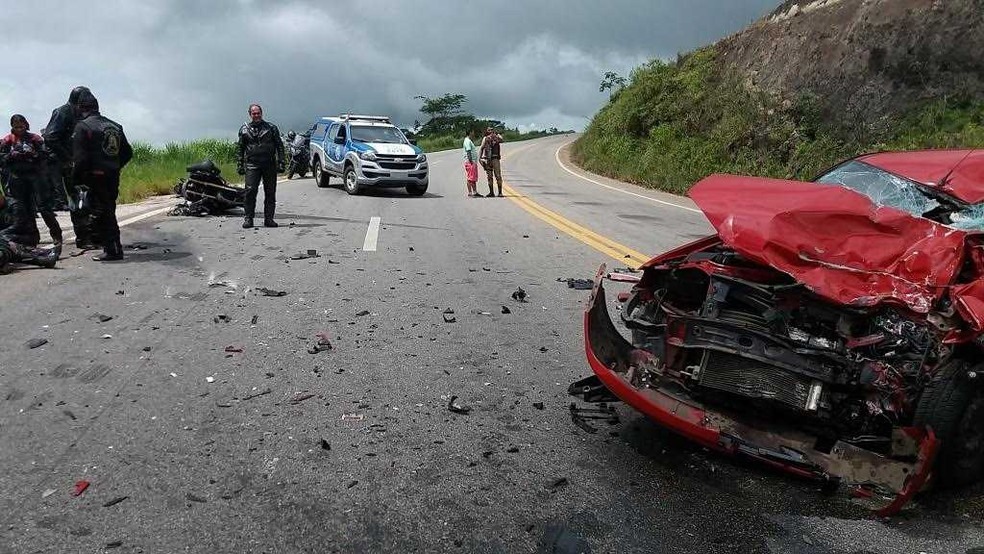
x=366, y=151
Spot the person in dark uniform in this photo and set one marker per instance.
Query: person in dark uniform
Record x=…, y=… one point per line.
x=22, y=157
x=58, y=138
x=260, y=157
x=99, y=151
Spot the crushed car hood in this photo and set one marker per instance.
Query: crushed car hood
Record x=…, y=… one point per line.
x=959, y=173
x=838, y=243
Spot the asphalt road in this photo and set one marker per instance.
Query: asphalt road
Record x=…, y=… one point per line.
x=275, y=449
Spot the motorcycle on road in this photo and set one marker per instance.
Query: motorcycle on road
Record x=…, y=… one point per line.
x=300, y=157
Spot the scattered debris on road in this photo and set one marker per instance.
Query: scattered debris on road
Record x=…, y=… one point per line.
x=233, y=349
x=353, y=417
x=519, y=295
x=557, y=484
x=604, y=412
x=325, y=445
x=254, y=320
x=305, y=255
x=221, y=318
x=538, y=405
x=114, y=544
x=449, y=316
x=323, y=343
x=48, y=493
x=512, y=449
x=80, y=487
x=456, y=407
x=270, y=292
x=34, y=343
x=210, y=379
x=362, y=313
x=115, y=501
x=351, y=484
x=301, y=398
x=195, y=498
x=107, y=336
x=506, y=310
x=256, y=394
x=102, y=318
x=578, y=284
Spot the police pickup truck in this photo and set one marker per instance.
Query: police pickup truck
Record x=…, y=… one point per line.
x=366, y=151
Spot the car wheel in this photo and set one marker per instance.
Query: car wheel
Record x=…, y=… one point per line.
x=321, y=178
x=416, y=190
x=351, y=181
x=953, y=405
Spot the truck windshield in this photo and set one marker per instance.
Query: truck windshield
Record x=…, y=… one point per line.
x=377, y=133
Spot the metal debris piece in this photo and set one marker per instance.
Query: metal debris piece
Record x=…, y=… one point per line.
x=538, y=405
x=519, y=294
x=102, y=318
x=325, y=445
x=353, y=417
x=254, y=320
x=221, y=317
x=506, y=310
x=115, y=501
x=351, y=484
x=114, y=544
x=270, y=292
x=362, y=313
x=34, y=343
x=457, y=408
x=233, y=348
x=449, y=316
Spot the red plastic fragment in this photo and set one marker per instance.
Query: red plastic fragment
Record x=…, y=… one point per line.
x=80, y=487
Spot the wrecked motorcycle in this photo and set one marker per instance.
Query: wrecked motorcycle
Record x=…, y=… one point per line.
x=206, y=192
x=832, y=332
x=300, y=156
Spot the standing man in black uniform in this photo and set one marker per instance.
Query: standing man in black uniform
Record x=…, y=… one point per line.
x=58, y=138
x=261, y=157
x=100, y=150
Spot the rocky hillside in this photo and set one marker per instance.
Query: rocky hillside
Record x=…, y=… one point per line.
x=867, y=58
x=810, y=84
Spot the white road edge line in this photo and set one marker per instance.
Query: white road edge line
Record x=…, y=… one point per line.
x=372, y=234
x=578, y=175
x=69, y=235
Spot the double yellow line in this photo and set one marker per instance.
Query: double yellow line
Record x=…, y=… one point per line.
x=605, y=245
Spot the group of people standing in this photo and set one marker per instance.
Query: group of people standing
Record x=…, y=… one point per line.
x=488, y=153
x=79, y=155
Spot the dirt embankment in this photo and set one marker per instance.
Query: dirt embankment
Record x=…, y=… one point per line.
x=865, y=58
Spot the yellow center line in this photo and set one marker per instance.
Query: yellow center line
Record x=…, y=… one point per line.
x=602, y=244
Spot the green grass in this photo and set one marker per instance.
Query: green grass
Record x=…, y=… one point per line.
x=676, y=123
x=155, y=170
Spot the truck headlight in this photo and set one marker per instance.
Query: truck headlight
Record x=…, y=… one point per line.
x=421, y=158
x=368, y=155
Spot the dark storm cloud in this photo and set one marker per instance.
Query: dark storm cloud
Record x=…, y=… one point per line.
x=181, y=69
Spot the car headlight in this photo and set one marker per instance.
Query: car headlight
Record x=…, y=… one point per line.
x=421, y=158
x=368, y=155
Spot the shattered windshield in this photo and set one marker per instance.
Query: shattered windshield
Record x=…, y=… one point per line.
x=887, y=189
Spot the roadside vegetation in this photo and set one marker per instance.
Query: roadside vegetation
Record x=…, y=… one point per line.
x=672, y=123
x=448, y=122
x=155, y=170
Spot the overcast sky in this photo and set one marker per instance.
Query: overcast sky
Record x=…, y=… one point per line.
x=183, y=69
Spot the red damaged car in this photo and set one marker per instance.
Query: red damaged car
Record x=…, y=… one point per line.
x=833, y=329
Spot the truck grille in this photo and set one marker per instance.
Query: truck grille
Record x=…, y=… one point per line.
x=397, y=165
x=754, y=379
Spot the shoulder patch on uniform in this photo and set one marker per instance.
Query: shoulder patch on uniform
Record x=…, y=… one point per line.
x=111, y=142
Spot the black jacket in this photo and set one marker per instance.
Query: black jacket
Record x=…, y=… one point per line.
x=260, y=146
x=23, y=156
x=58, y=133
x=99, y=145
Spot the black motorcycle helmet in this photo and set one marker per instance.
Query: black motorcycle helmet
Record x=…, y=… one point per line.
x=291, y=135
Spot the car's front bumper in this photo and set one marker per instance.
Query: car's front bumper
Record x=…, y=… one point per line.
x=623, y=370
x=377, y=174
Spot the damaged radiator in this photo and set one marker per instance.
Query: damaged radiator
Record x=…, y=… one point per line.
x=754, y=379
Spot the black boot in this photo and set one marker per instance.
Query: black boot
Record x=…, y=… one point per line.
x=247, y=222
x=269, y=222
x=112, y=252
